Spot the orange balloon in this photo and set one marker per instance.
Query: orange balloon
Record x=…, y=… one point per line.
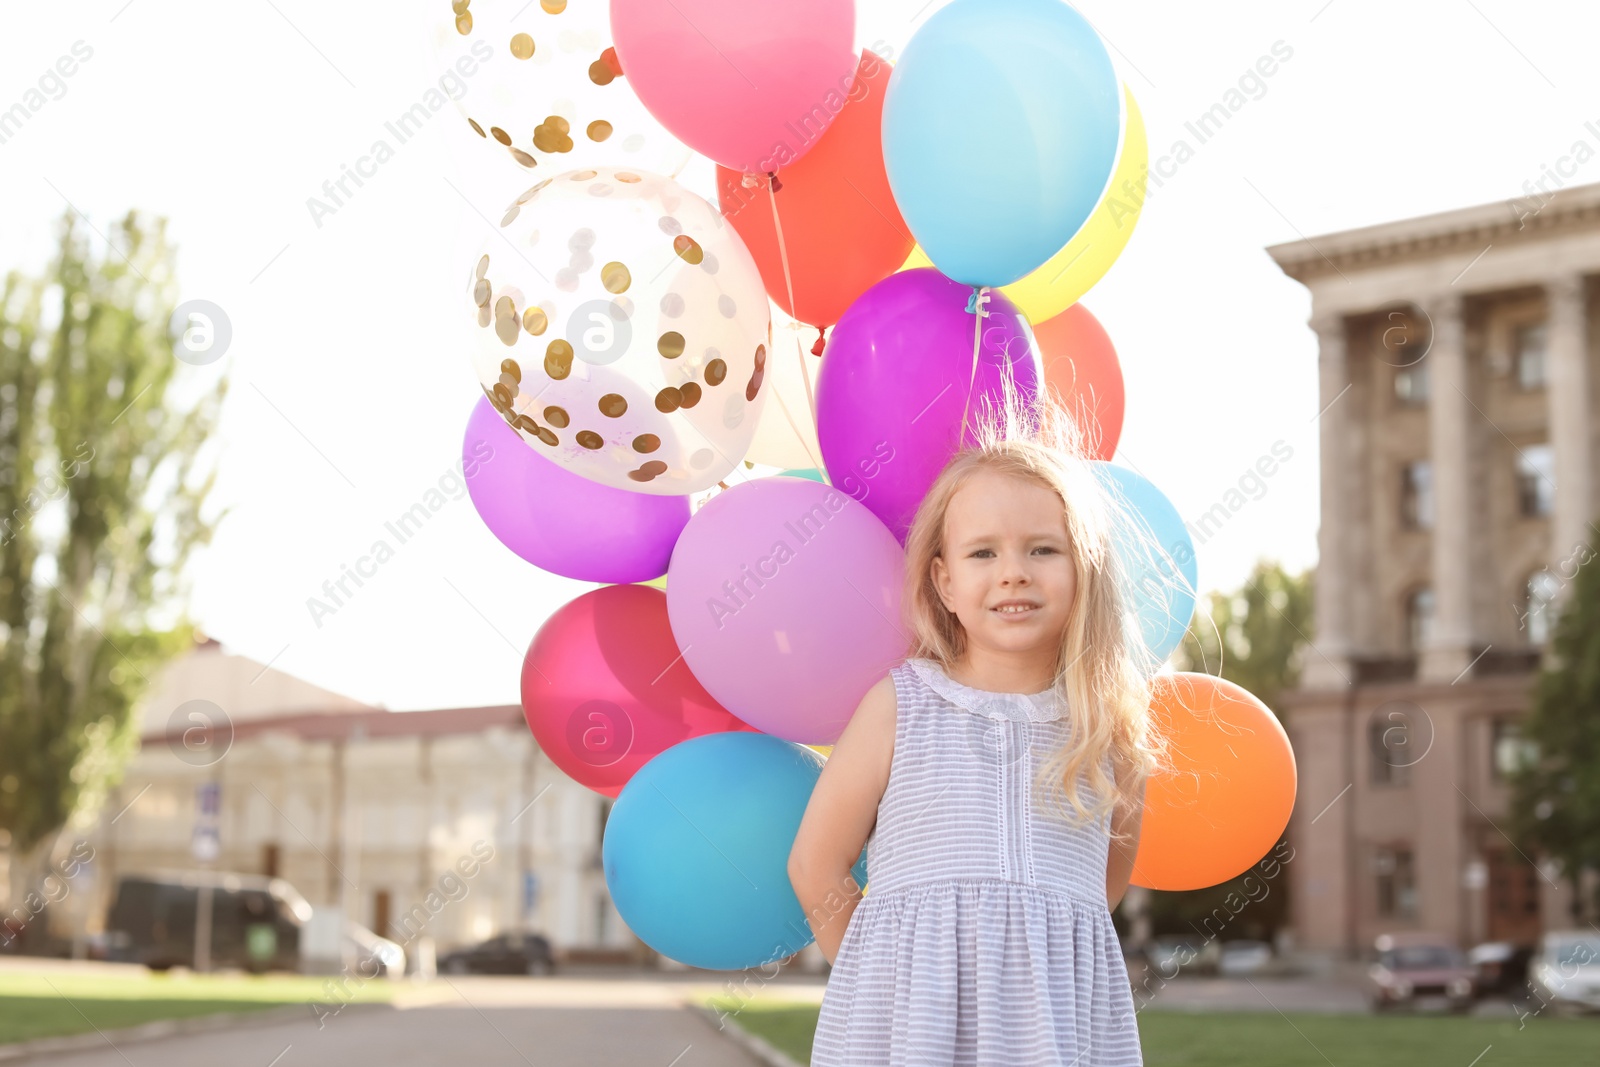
x=1080, y=362
x=1228, y=801
x=841, y=228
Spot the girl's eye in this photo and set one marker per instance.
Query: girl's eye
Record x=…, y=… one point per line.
x=983, y=552
x=1044, y=548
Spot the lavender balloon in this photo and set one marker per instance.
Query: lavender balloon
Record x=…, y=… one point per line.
x=562, y=521
x=895, y=382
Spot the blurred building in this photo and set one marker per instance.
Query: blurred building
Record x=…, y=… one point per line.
x=1459, y=468
x=361, y=808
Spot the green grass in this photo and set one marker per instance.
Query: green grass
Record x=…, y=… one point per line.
x=51, y=1004
x=1251, y=1039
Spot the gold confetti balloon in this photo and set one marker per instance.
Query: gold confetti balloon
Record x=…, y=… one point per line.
x=620, y=326
x=539, y=87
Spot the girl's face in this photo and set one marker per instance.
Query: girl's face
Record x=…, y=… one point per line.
x=1007, y=571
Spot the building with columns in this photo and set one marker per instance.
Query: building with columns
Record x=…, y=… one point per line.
x=1458, y=380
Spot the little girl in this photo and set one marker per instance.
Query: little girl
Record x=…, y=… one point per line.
x=986, y=939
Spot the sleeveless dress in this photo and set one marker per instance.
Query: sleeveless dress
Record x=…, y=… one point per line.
x=984, y=939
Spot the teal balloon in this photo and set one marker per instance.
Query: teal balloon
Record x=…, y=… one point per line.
x=696, y=850
x=808, y=472
x=1000, y=132
x=1160, y=573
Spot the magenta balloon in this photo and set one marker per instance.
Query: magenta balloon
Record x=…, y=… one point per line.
x=562, y=521
x=895, y=380
x=784, y=595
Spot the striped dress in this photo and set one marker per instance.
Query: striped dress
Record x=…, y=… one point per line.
x=984, y=938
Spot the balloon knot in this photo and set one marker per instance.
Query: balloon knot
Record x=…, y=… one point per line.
x=750, y=181
x=772, y=176
x=980, y=296
x=822, y=341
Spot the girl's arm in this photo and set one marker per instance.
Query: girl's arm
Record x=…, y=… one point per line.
x=1125, y=819
x=840, y=817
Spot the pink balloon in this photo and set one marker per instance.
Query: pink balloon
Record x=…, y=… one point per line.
x=784, y=595
x=751, y=83
x=604, y=689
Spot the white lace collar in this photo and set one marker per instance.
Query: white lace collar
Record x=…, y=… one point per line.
x=1017, y=707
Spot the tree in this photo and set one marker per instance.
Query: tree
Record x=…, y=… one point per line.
x=100, y=508
x=1555, y=794
x=1257, y=638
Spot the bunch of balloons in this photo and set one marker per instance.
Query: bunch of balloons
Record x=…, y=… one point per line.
x=639, y=348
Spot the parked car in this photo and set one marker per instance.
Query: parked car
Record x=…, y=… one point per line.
x=1500, y=966
x=505, y=954
x=371, y=955
x=1172, y=955
x=1415, y=966
x=1244, y=957
x=1564, y=973
x=255, y=921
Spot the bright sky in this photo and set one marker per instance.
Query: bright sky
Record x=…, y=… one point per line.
x=351, y=388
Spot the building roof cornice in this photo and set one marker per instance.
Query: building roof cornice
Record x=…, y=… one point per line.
x=1522, y=219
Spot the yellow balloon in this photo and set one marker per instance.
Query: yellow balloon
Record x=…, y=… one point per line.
x=824, y=749
x=659, y=583
x=1074, y=270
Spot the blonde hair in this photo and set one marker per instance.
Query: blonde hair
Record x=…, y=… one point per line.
x=1102, y=670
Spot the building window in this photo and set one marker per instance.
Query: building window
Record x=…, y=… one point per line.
x=1509, y=750
x=1389, y=745
x=1411, y=384
x=1538, y=616
x=1528, y=351
x=1419, y=618
x=1397, y=883
x=1536, y=480
x=1416, y=495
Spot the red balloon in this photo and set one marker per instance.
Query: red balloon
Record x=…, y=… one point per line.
x=1081, y=364
x=841, y=228
x=604, y=687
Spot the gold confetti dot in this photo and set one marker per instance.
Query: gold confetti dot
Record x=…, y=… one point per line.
x=754, y=387
x=551, y=135
x=690, y=391
x=476, y=128
x=646, y=442
x=502, y=396
x=522, y=157
x=459, y=6
x=506, y=324
x=615, y=277
x=535, y=321
x=548, y=437
x=533, y=191
x=509, y=366
x=668, y=400
x=525, y=424
x=613, y=406
x=558, y=359
x=482, y=291
x=648, y=471
x=716, y=371
x=511, y=215
x=483, y=266
x=553, y=7
x=761, y=356
x=483, y=316
x=522, y=46
x=600, y=72
x=556, y=417
x=591, y=440
x=599, y=130
x=584, y=175
x=628, y=177
x=464, y=23
x=670, y=345
x=500, y=135
x=688, y=249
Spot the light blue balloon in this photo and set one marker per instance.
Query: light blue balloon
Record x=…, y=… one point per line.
x=807, y=472
x=1160, y=573
x=696, y=850
x=1000, y=131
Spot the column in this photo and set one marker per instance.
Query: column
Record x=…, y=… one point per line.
x=1568, y=391
x=1450, y=412
x=1328, y=662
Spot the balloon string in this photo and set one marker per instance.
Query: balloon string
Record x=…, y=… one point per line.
x=978, y=305
x=788, y=282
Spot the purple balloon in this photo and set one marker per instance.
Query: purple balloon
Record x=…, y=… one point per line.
x=784, y=595
x=895, y=380
x=562, y=521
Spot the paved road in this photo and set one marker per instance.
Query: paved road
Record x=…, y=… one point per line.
x=482, y=1021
